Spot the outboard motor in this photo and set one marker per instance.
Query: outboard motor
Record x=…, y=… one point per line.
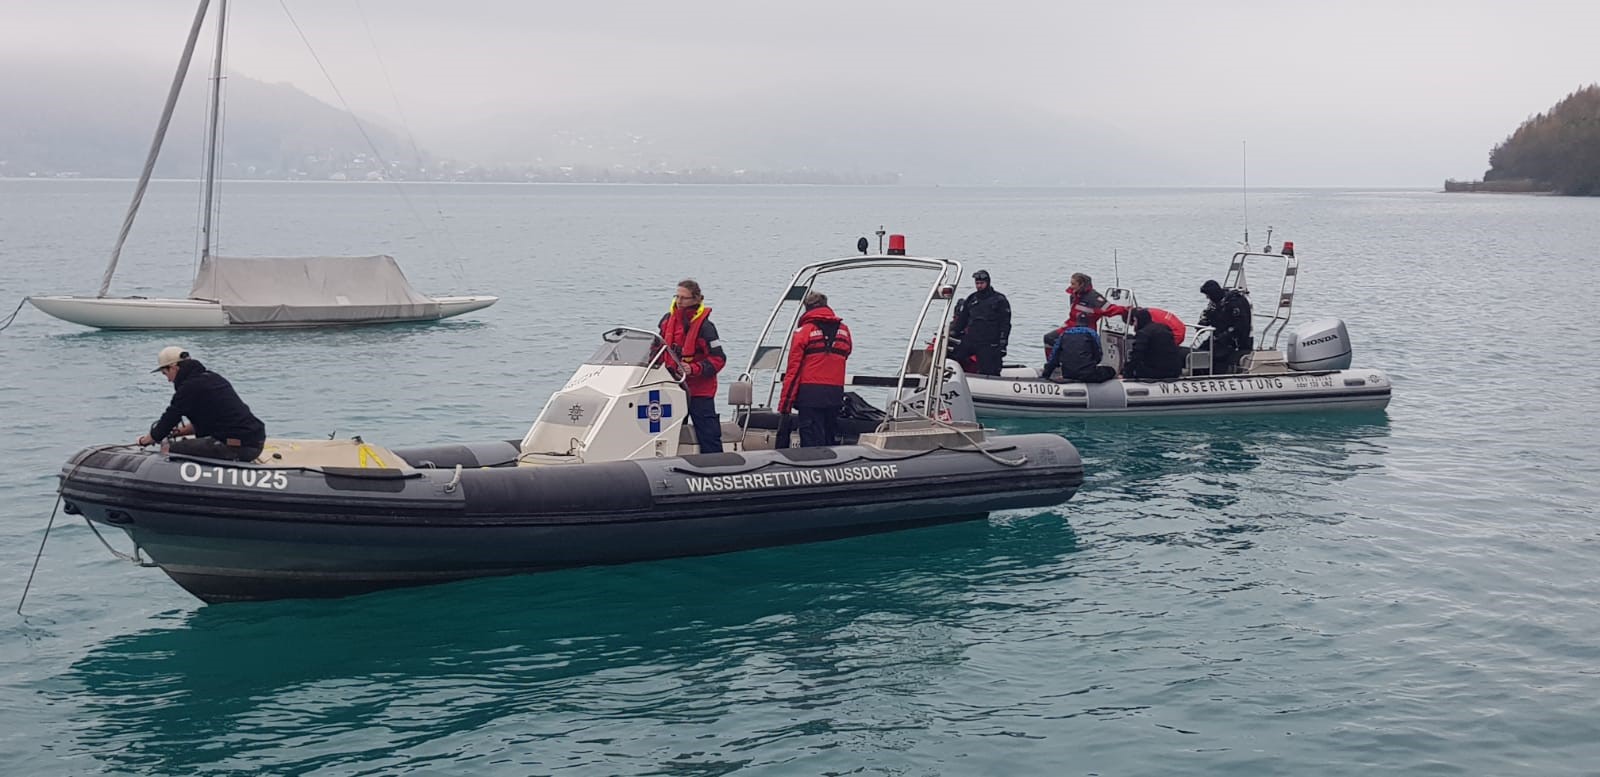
x=1323, y=344
x=958, y=407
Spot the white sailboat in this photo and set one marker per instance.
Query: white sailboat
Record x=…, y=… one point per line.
x=237, y=292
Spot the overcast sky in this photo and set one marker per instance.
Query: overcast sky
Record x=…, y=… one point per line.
x=1396, y=93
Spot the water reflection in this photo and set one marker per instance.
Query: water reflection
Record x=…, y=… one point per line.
x=808, y=627
x=1217, y=481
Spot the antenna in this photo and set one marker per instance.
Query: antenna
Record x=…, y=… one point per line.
x=1244, y=187
x=1115, y=269
x=880, y=234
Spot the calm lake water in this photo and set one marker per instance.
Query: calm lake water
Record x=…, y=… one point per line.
x=1406, y=592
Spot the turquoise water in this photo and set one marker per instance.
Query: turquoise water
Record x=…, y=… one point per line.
x=1411, y=591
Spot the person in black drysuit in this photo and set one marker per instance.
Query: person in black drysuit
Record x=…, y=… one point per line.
x=223, y=425
x=1077, y=354
x=1229, y=316
x=983, y=325
x=1154, y=353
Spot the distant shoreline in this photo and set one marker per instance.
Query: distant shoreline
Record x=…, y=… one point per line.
x=1223, y=187
x=1515, y=186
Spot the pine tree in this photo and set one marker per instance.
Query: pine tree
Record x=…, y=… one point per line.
x=1559, y=149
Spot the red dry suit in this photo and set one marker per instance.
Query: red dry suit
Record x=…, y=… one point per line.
x=1159, y=316
x=817, y=354
x=1088, y=307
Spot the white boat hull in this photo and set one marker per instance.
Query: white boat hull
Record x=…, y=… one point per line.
x=154, y=313
x=1030, y=397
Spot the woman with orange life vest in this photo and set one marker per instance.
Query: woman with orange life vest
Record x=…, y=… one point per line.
x=814, y=381
x=695, y=352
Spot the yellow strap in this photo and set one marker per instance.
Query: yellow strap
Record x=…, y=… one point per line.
x=367, y=453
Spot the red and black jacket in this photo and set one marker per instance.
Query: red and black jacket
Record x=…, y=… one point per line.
x=1088, y=307
x=694, y=348
x=817, y=354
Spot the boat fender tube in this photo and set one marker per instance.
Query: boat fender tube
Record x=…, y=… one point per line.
x=705, y=460
x=606, y=488
x=112, y=460
x=367, y=479
x=808, y=454
x=481, y=454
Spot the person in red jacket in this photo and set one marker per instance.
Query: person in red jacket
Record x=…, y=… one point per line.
x=695, y=352
x=814, y=380
x=1088, y=307
x=1168, y=319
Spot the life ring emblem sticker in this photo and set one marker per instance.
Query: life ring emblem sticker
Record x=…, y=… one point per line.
x=652, y=413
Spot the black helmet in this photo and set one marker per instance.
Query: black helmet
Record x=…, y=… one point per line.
x=1211, y=288
x=981, y=275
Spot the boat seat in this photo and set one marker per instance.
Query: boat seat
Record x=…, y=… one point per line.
x=730, y=433
x=1265, y=362
x=766, y=419
x=758, y=439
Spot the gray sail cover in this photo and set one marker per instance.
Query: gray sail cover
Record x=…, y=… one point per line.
x=310, y=289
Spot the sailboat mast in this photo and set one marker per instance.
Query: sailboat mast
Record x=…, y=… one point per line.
x=155, y=145
x=213, y=117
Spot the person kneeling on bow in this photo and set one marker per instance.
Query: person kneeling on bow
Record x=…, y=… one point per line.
x=222, y=424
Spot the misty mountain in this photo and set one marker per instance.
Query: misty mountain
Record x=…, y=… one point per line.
x=98, y=120
x=940, y=139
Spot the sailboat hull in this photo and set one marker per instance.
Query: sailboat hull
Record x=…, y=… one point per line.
x=154, y=313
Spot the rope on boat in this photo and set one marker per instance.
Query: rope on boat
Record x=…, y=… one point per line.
x=976, y=444
x=39, y=555
x=13, y=317
x=135, y=558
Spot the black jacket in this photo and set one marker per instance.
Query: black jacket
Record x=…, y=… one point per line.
x=1230, y=317
x=1078, y=351
x=984, y=319
x=1154, y=355
x=210, y=403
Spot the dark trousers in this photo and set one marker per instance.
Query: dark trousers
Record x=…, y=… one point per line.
x=1099, y=373
x=818, y=426
x=1226, y=353
x=1050, y=339
x=989, y=357
x=213, y=448
x=707, y=424
x=1225, y=360
x=1091, y=373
